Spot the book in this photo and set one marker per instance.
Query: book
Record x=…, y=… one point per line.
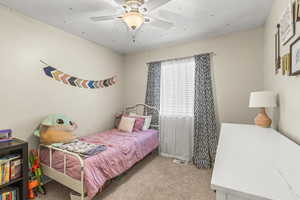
x=6, y=140
x=2, y=173
x=15, y=168
x=6, y=167
x=15, y=196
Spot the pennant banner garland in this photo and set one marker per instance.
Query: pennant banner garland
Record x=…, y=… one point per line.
x=77, y=82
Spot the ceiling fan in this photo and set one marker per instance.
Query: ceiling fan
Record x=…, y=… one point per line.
x=136, y=12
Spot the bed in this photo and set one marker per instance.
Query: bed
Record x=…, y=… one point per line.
x=89, y=175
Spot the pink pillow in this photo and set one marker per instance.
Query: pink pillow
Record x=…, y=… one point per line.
x=139, y=123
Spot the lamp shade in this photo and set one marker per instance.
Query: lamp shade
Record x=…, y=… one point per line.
x=263, y=99
x=133, y=20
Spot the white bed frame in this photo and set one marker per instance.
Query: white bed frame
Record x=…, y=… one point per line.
x=68, y=181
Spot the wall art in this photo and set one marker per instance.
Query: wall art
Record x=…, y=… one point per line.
x=287, y=25
x=277, y=50
x=295, y=57
x=286, y=64
x=77, y=82
x=297, y=11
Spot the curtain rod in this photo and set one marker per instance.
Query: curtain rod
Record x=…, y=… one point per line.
x=211, y=53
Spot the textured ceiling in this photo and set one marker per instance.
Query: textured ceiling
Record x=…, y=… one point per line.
x=193, y=19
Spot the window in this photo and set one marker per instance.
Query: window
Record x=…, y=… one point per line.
x=177, y=87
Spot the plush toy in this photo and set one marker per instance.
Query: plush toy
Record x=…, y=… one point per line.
x=56, y=129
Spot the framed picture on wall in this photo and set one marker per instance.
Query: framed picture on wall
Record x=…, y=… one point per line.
x=295, y=57
x=287, y=25
x=297, y=10
x=286, y=64
x=277, y=49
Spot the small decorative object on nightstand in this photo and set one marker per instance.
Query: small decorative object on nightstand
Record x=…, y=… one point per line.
x=263, y=100
x=5, y=135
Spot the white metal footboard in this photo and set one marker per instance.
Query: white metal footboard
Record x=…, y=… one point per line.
x=63, y=178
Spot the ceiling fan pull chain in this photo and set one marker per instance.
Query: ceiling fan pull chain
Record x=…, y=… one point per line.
x=133, y=39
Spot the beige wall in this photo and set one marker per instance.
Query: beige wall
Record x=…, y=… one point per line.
x=237, y=69
x=27, y=95
x=288, y=88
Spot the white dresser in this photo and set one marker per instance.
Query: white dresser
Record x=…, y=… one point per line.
x=254, y=163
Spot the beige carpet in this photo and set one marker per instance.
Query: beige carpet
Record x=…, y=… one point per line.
x=155, y=178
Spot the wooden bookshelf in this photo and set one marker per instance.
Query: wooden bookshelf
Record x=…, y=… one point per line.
x=20, y=147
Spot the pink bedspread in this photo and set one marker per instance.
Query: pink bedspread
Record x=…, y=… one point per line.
x=123, y=151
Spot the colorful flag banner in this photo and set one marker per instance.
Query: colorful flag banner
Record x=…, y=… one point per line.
x=77, y=82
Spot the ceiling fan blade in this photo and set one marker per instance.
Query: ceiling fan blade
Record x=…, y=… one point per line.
x=104, y=18
x=153, y=4
x=114, y=3
x=119, y=2
x=161, y=23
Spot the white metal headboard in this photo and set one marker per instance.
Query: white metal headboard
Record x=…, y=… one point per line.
x=144, y=109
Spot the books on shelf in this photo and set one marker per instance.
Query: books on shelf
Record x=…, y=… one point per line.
x=9, y=194
x=10, y=168
x=15, y=168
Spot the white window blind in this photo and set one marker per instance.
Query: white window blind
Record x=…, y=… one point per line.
x=177, y=87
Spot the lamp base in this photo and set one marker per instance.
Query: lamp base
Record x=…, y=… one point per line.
x=262, y=119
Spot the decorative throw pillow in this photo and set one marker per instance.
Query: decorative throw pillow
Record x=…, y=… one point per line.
x=139, y=124
x=147, y=122
x=126, y=124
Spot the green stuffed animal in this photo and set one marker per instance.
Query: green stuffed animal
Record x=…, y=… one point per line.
x=56, y=128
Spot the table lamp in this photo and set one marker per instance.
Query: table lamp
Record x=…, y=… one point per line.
x=263, y=100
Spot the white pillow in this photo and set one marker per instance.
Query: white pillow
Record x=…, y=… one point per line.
x=126, y=124
x=147, y=122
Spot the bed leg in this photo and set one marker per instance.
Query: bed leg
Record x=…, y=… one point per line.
x=82, y=183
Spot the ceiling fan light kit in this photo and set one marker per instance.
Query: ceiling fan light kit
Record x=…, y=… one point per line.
x=133, y=20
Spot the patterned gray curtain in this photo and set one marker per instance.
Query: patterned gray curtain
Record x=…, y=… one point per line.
x=205, y=124
x=153, y=89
